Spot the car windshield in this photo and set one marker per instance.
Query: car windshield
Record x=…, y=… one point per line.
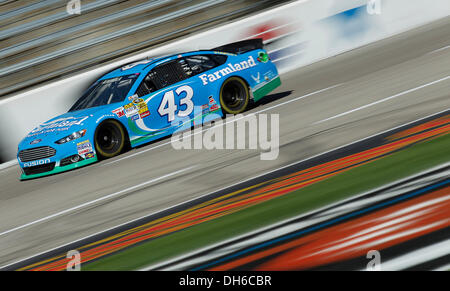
x=105, y=92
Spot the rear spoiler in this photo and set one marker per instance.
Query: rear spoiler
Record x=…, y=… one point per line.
x=241, y=47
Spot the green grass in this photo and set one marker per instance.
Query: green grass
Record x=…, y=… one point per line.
x=399, y=165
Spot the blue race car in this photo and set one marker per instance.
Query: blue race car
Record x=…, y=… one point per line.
x=148, y=100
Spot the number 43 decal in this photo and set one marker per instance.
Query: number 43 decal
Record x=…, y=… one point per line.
x=168, y=106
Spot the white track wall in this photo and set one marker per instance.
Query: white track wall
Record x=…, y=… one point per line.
x=296, y=35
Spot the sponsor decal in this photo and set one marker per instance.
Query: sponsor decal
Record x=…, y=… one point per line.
x=89, y=155
x=229, y=69
x=59, y=124
x=144, y=114
x=130, y=110
x=131, y=98
x=134, y=117
x=119, y=112
x=36, y=141
x=212, y=100
x=84, y=152
x=36, y=163
x=143, y=109
x=85, y=143
x=257, y=79
x=269, y=75
x=84, y=147
x=212, y=104
x=206, y=106
x=138, y=100
x=263, y=57
x=48, y=131
x=105, y=116
x=214, y=107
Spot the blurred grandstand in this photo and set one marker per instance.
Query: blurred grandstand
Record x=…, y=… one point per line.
x=40, y=41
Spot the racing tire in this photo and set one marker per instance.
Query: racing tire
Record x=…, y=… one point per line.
x=110, y=139
x=234, y=96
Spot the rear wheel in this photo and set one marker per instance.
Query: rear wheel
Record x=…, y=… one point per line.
x=234, y=96
x=110, y=139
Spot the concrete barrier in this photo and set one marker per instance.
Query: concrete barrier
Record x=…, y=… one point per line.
x=296, y=34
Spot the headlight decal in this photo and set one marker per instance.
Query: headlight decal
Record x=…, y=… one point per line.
x=73, y=136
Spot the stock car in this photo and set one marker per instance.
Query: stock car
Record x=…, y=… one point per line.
x=147, y=100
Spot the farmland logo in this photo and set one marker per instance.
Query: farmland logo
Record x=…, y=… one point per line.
x=61, y=122
x=244, y=65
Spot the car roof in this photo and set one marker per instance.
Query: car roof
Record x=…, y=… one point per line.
x=144, y=65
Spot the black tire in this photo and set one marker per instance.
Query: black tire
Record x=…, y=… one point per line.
x=234, y=96
x=110, y=139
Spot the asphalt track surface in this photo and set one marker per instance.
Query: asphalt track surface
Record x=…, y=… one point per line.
x=323, y=106
x=339, y=236
x=269, y=187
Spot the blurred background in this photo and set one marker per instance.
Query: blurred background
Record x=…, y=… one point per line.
x=42, y=39
x=50, y=51
x=41, y=42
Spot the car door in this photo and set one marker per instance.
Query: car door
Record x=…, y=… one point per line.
x=208, y=100
x=165, y=99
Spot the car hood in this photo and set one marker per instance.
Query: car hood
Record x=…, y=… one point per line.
x=60, y=127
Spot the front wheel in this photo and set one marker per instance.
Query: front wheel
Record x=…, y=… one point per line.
x=234, y=96
x=109, y=139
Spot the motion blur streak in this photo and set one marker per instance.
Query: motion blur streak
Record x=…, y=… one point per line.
x=356, y=238
x=246, y=197
x=97, y=200
x=385, y=99
x=421, y=255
